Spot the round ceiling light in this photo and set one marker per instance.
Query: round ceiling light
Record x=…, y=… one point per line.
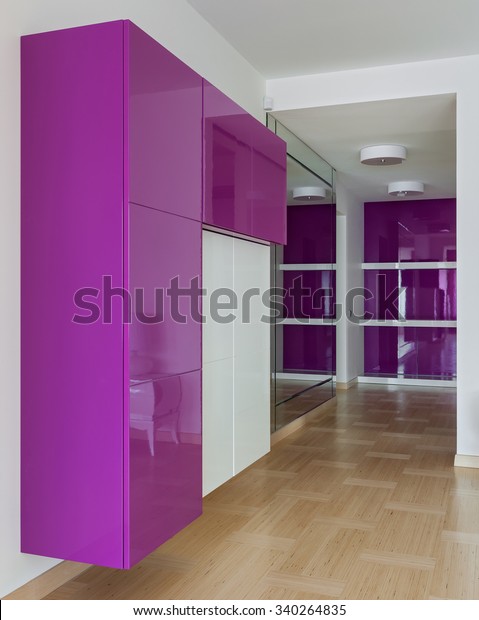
x=383, y=155
x=309, y=193
x=401, y=189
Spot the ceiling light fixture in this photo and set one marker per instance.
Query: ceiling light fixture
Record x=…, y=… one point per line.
x=401, y=189
x=383, y=155
x=309, y=193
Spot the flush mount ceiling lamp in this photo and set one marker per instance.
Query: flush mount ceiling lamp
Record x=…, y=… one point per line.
x=383, y=155
x=401, y=189
x=309, y=193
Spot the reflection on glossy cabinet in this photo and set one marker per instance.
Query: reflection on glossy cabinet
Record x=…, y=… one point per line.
x=245, y=171
x=111, y=400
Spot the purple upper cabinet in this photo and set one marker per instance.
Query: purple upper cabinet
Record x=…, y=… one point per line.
x=165, y=127
x=111, y=391
x=244, y=171
x=269, y=186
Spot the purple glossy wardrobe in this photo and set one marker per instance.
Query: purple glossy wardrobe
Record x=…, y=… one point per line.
x=111, y=202
x=114, y=136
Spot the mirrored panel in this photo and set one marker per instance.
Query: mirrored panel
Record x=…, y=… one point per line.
x=304, y=274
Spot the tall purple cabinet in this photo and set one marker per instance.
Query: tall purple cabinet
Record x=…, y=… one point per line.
x=111, y=210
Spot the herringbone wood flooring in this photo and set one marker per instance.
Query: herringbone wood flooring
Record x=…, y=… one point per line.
x=362, y=503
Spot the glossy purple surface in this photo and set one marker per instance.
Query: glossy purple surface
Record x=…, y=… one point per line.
x=311, y=234
x=165, y=128
x=90, y=490
x=165, y=459
x=309, y=348
x=163, y=247
x=426, y=294
x=310, y=294
x=244, y=171
x=311, y=239
x=410, y=230
x=411, y=352
x=72, y=223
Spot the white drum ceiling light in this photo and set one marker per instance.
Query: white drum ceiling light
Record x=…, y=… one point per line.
x=383, y=155
x=405, y=188
x=309, y=193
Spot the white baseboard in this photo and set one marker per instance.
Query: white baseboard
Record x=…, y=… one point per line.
x=465, y=460
x=443, y=383
x=341, y=385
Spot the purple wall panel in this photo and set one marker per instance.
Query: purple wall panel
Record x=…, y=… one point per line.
x=410, y=351
x=309, y=348
x=165, y=461
x=411, y=230
x=318, y=298
x=436, y=352
x=72, y=226
x=244, y=171
x=429, y=294
x=165, y=128
x=383, y=286
x=311, y=234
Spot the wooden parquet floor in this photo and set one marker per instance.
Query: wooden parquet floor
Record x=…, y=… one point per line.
x=362, y=503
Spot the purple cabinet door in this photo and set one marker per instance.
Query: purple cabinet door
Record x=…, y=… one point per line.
x=72, y=226
x=165, y=267
x=227, y=162
x=165, y=460
x=244, y=171
x=164, y=106
x=269, y=186
x=165, y=379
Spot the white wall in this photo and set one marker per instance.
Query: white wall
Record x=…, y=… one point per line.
x=349, y=275
x=453, y=75
x=179, y=28
x=236, y=361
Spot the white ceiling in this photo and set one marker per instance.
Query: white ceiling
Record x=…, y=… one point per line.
x=426, y=126
x=299, y=37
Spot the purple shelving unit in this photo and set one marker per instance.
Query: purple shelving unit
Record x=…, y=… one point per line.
x=311, y=241
x=411, y=246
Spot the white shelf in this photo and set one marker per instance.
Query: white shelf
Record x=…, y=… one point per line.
x=307, y=267
x=306, y=322
x=419, y=265
x=406, y=323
